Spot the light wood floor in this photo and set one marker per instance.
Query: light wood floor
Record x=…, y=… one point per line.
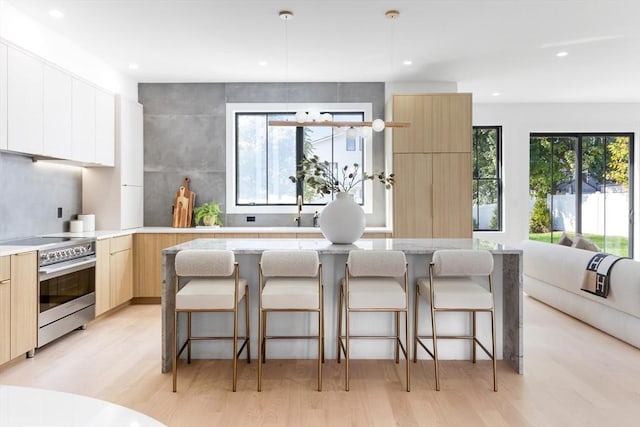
x=574, y=376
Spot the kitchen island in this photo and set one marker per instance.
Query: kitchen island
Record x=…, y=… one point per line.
x=507, y=281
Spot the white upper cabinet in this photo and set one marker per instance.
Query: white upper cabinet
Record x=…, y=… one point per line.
x=83, y=132
x=57, y=113
x=131, y=142
x=24, y=104
x=46, y=111
x=105, y=128
x=3, y=97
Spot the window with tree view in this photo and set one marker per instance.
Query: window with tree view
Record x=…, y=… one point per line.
x=487, y=157
x=266, y=156
x=582, y=184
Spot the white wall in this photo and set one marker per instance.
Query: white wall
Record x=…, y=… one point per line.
x=518, y=121
x=20, y=30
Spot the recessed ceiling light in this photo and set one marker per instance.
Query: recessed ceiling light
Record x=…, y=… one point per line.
x=495, y=94
x=407, y=62
x=54, y=13
x=562, y=54
x=263, y=63
x=134, y=66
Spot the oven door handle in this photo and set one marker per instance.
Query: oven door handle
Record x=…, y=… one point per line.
x=57, y=270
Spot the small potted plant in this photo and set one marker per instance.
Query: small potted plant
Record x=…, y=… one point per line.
x=208, y=214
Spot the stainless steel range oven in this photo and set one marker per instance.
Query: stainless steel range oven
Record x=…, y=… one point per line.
x=67, y=292
x=67, y=284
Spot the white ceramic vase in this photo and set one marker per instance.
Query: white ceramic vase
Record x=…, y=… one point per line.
x=342, y=221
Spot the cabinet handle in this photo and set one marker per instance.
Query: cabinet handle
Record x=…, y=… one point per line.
x=23, y=253
x=5, y=281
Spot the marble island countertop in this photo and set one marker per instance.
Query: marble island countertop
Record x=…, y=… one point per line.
x=323, y=246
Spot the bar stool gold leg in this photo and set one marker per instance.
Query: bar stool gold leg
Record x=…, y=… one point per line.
x=406, y=354
x=493, y=338
x=416, y=334
x=435, y=348
x=246, y=322
x=346, y=350
x=175, y=351
x=473, y=342
x=260, y=348
x=339, y=335
x=397, y=346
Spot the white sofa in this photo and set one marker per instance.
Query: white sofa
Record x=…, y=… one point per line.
x=553, y=274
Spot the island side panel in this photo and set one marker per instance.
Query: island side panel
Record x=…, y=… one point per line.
x=512, y=320
x=168, y=309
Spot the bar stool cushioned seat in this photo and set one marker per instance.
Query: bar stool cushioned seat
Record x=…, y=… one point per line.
x=290, y=281
x=374, y=281
x=214, y=286
x=451, y=287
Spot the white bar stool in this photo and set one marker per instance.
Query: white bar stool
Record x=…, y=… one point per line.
x=374, y=281
x=450, y=287
x=215, y=286
x=290, y=281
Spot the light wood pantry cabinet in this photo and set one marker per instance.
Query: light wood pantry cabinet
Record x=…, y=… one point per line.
x=121, y=269
x=24, y=303
x=5, y=309
x=432, y=166
x=440, y=123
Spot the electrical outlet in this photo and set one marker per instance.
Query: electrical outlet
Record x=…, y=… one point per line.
x=59, y=212
x=251, y=219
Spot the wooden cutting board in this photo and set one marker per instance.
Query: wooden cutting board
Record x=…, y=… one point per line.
x=183, y=206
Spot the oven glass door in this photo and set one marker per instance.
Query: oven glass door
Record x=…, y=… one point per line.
x=65, y=288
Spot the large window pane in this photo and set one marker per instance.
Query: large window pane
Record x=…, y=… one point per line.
x=487, y=206
x=281, y=161
x=267, y=157
x=251, y=173
x=580, y=184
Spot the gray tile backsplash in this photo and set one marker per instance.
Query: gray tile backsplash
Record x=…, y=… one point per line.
x=185, y=135
x=32, y=194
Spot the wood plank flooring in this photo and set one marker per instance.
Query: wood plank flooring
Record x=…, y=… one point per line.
x=574, y=376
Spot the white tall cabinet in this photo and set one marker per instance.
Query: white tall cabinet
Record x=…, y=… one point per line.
x=3, y=96
x=115, y=195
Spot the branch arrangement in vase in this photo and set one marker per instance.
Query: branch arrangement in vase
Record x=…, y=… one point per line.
x=319, y=176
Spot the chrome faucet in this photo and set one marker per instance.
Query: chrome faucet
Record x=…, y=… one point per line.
x=298, y=216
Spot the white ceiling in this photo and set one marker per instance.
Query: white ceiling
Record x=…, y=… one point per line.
x=487, y=46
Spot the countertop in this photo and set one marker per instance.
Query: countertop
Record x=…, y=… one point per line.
x=323, y=246
x=107, y=234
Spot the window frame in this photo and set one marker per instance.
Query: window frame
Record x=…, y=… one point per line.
x=498, y=178
x=287, y=108
x=579, y=193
